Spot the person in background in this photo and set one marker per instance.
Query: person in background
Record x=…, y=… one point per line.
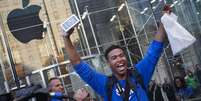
x=183, y=91
x=191, y=80
x=55, y=85
x=169, y=90
x=55, y=88
x=154, y=92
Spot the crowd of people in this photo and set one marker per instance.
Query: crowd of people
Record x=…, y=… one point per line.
x=183, y=87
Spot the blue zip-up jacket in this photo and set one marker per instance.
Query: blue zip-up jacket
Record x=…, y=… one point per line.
x=145, y=67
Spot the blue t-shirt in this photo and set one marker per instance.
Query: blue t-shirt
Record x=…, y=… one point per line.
x=145, y=67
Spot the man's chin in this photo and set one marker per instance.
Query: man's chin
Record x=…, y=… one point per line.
x=123, y=73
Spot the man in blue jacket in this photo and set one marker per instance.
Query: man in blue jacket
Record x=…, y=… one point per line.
x=55, y=89
x=117, y=61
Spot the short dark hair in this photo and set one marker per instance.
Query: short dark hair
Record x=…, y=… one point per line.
x=53, y=78
x=110, y=48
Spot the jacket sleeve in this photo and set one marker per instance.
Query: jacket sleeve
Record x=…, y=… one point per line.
x=96, y=80
x=147, y=65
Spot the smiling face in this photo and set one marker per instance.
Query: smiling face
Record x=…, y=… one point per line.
x=117, y=60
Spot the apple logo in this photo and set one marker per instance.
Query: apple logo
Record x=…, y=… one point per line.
x=25, y=24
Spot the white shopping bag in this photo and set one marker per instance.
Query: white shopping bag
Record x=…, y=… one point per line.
x=178, y=36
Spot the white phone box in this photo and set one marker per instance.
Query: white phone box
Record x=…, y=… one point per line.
x=69, y=23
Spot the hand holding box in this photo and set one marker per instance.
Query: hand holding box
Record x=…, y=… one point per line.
x=71, y=22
